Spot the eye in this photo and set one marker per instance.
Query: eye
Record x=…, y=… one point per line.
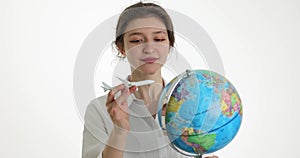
x=136, y=41
x=159, y=39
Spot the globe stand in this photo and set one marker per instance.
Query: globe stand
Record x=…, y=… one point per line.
x=198, y=156
x=184, y=153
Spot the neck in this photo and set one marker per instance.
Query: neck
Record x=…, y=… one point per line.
x=149, y=93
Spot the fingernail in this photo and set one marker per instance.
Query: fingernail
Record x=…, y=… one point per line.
x=133, y=89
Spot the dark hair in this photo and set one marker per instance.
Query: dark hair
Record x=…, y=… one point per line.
x=141, y=10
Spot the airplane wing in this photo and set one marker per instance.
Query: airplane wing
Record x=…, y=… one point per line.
x=124, y=81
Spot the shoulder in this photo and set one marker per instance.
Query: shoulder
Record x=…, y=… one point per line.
x=97, y=103
x=96, y=107
x=97, y=122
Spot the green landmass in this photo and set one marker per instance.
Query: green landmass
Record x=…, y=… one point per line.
x=206, y=141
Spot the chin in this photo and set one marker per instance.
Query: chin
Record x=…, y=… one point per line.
x=150, y=69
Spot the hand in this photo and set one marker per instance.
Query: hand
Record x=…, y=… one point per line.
x=118, y=108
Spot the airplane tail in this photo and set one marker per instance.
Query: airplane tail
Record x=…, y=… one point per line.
x=106, y=87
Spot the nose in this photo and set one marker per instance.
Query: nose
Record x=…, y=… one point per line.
x=148, y=48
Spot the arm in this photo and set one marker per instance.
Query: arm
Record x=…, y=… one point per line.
x=118, y=111
x=101, y=137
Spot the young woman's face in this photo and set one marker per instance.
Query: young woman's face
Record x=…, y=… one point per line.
x=146, y=44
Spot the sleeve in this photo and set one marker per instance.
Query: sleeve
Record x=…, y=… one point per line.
x=95, y=132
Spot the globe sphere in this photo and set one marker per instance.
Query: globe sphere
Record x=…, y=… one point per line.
x=203, y=112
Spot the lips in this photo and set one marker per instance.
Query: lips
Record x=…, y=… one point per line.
x=149, y=60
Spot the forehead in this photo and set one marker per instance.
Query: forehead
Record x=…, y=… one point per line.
x=145, y=24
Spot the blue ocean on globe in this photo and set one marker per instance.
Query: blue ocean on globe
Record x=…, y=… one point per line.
x=203, y=112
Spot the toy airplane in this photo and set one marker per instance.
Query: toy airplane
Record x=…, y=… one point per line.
x=128, y=84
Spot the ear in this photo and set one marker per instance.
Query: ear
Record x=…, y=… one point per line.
x=120, y=47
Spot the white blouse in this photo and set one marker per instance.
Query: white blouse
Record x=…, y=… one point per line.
x=145, y=140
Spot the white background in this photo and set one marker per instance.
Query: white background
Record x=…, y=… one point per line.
x=258, y=41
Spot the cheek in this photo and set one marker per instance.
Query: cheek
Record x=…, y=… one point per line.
x=133, y=56
x=163, y=53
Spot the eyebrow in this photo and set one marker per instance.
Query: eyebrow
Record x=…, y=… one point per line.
x=139, y=33
x=159, y=32
x=134, y=33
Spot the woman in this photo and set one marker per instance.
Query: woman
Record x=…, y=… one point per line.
x=123, y=123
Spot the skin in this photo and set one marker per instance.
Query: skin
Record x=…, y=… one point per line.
x=146, y=47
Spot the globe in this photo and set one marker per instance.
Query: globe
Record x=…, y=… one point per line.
x=203, y=112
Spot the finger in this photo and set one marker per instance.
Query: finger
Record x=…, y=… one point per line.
x=120, y=118
x=112, y=112
x=111, y=94
x=132, y=89
x=117, y=113
x=109, y=99
x=109, y=108
x=117, y=88
x=123, y=97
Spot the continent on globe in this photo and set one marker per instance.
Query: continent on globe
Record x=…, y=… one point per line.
x=174, y=104
x=230, y=102
x=198, y=141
